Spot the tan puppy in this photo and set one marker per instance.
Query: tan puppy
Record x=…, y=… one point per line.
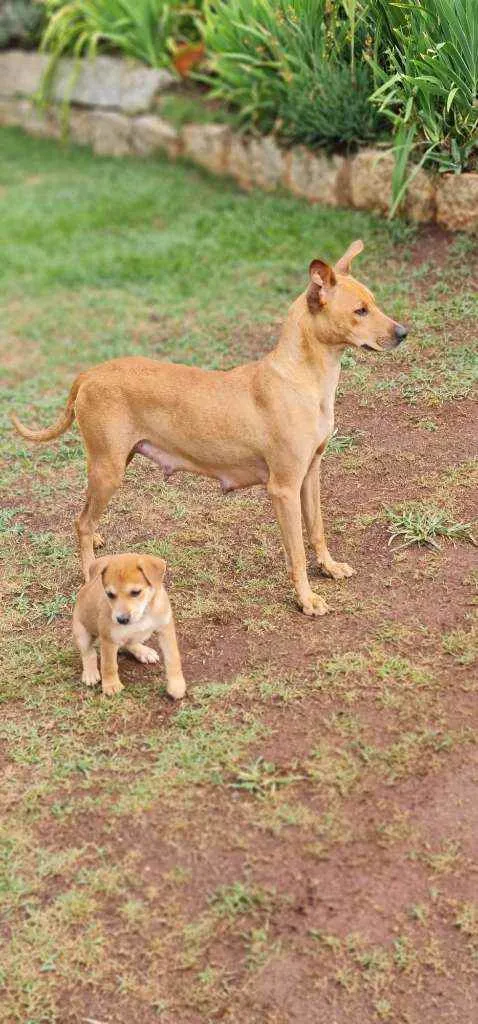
x=267, y=422
x=122, y=604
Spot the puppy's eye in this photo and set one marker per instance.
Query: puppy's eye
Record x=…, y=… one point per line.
x=135, y=593
x=110, y=594
x=362, y=311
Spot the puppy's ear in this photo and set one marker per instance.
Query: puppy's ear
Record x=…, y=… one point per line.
x=322, y=279
x=153, y=569
x=343, y=264
x=99, y=565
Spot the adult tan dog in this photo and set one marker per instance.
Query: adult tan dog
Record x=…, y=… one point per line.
x=122, y=604
x=267, y=422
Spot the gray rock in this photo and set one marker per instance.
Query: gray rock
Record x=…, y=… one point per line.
x=207, y=145
x=102, y=82
x=45, y=124
x=110, y=133
x=80, y=126
x=313, y=175
x=238, y=161
x=12, y=111
x=371, y=186
x=420, y=200
x=267, y=163
x=457, y=201
x=21, y=73
x=152, y=135
x=110, y=82
x=371, y=179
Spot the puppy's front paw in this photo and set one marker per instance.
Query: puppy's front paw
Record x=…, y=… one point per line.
x=112, y=686
x=314, y=605
x=146, y=655
x=176, y=688
x=90, y=676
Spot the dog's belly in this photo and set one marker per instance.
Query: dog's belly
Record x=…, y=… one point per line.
x=246, y=474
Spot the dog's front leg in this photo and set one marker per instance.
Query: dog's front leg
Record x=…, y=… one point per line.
x=110, y=680
x=310, y=499
x=286, y=502
x=175, y=682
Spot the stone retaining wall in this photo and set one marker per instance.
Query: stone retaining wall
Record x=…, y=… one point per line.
x=113, y=104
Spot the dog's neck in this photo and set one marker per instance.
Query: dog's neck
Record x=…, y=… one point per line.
x=301, y=356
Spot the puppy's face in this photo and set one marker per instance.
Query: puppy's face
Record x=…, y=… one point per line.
x=344, y=311
x=130, y=583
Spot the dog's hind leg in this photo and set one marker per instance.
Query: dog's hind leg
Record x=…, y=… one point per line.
x=98, y=541
x=104, y=478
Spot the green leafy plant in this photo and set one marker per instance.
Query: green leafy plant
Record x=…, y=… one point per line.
x=21, y=23
x=291, y=66
x=422, y=525
x=145, y=30
x=426, y=64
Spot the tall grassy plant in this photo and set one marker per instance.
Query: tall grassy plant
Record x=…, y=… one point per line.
x=248, y=43
x=429, y=81
x=21, y=23
x=141, y=29
x=290, y=65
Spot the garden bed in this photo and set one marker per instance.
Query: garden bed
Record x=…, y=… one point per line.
x=119, y=109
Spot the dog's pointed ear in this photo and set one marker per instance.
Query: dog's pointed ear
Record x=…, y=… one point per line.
x=153, y=569
x=98, y=566
x=322, y=280
x=343, y=264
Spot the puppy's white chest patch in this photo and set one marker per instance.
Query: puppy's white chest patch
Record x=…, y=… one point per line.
x=136, y=632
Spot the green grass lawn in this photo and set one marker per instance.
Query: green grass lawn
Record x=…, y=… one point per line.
x=297, y=841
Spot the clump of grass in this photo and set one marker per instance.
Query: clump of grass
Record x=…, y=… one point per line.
x=183, y=108
x=239, y=898
x=339, y=443
x=262, y=778
x=421, y=525
x=8, y=525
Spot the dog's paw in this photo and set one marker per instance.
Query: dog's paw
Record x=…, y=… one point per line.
x=90, y=676
x=176, y=688
x=314, y=605
x=146, y=655
x=336, y=570
x=112, y=686
x=98, y=541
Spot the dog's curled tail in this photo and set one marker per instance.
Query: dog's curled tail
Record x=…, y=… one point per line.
x=63, y=422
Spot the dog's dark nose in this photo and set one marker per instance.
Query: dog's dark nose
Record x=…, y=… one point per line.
x=400, y=332
x=123, y=619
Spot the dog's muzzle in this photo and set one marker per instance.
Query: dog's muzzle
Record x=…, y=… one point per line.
x=400, y=333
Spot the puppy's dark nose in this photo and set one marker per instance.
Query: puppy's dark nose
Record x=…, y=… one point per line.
x=400, y=332
x=123, y=619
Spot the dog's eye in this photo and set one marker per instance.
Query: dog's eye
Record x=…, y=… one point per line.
x=362, y=311
x=110, y=594
x=135, y=593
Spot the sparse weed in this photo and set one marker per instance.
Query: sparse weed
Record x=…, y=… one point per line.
x=232, y=900
x=462, y=645
x=422, y=525
x=262, y=778
x=339, y=443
